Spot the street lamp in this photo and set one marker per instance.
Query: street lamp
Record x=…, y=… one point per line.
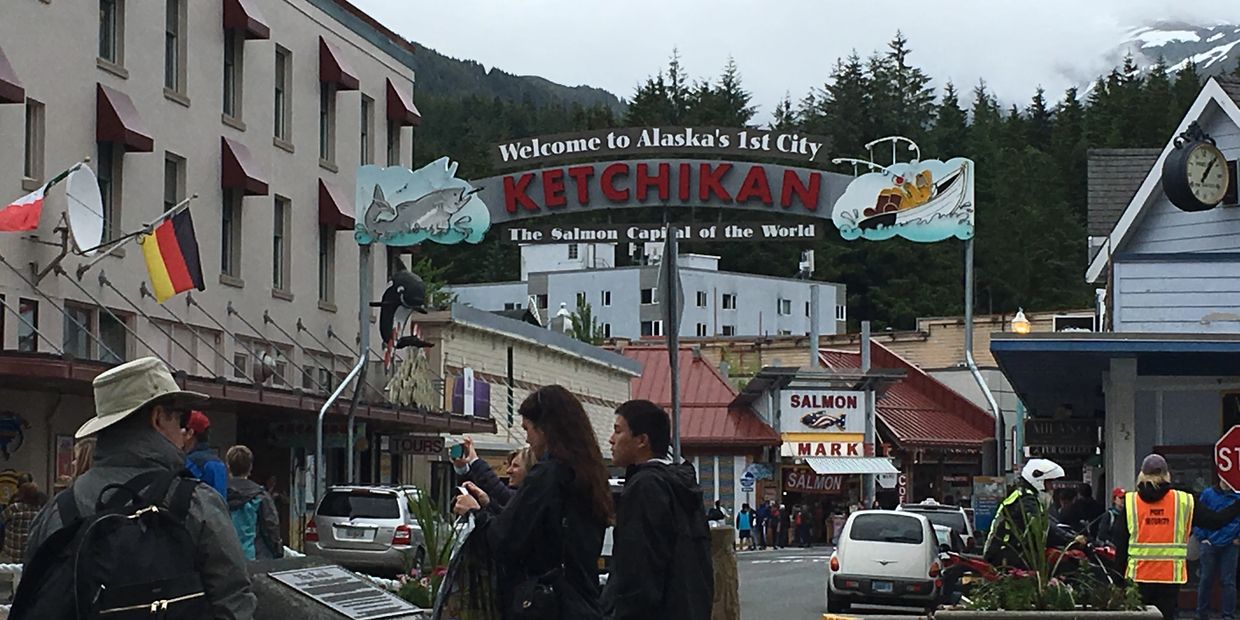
x=1020, y=324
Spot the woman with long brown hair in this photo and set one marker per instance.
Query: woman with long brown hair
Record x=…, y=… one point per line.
x=549, y=536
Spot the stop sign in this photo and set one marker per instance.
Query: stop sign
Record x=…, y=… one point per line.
x=1227, y=457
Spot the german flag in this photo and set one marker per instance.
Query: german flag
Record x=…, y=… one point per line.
x=171, y=254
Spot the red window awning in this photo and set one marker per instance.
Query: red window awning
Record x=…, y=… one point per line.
x=117, y=120
x=11, y=90
x=400, y=106
x=334, y=210
x=333, y=69
x=243, y=15
x=238, y=170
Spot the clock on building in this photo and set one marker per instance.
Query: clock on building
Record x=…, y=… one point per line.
x=1195, y=174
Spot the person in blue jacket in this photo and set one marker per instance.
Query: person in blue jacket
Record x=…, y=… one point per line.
x=202, y=460
x=1219, y=550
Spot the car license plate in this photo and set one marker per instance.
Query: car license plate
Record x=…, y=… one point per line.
x=353, y=533
x=883, y=587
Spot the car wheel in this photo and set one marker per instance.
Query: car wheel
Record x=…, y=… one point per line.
x=836, y=606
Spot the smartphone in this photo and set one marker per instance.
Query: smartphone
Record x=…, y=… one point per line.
x=457, y=451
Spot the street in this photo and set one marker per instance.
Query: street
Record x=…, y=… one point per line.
x=788, y=584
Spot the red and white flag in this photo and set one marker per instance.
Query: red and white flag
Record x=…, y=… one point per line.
x=23, y=213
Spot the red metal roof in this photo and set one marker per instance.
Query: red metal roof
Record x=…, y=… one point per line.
x=920, y=411
x=705, y=418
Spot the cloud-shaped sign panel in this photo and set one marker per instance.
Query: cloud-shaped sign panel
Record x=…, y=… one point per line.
x=401, y=207
x=921, y=201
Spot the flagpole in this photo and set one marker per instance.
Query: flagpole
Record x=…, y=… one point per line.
x=146, y=229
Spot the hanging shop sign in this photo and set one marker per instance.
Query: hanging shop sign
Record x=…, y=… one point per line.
x=922, y=201
x=802, y=479
x=412, y=444
x=401, y=207
x=821, y=411
x=660, y=141
x=801, y=448
x=637, y=233
x=1061, y=437
x=471, y=396
x=661, y=182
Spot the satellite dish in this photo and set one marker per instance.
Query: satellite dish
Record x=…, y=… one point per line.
x=84, y=210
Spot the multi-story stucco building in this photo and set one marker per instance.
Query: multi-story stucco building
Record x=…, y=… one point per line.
x=263, y=109
x=626, y=301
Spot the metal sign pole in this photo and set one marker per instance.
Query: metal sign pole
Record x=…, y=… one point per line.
x=1000, y=450
x=364, y=294
x=671, y=310
x=867, y=480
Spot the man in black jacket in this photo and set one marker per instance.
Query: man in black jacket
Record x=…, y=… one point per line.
x=662, y=563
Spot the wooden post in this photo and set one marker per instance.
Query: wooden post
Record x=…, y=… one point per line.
x=727, y=605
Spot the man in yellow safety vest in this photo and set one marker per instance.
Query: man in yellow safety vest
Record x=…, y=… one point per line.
x=1152, y=541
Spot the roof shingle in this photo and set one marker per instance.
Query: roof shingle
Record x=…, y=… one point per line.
x=705, y=417
x=1113, y=177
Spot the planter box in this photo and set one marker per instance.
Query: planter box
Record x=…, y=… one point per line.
x=1150, y=613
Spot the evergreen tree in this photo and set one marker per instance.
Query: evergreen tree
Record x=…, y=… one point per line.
x=1187, y=86
x=1154, y=125
x=585, y=326
x=840, y=110
x=950, y=134
x=785, y=117
x=1040, y=121
x=1068, y=150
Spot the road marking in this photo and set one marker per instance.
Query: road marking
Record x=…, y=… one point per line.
x=792, y=560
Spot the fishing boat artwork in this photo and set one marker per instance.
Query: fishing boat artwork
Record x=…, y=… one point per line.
x=923, y=201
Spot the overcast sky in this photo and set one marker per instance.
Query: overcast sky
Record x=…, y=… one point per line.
x=788, y=45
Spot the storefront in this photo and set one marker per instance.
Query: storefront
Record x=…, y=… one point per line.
x=1162, y=374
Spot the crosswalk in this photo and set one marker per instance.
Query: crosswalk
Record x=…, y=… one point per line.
x=792, y=559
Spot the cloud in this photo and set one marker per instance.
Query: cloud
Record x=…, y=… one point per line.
x=788, y=45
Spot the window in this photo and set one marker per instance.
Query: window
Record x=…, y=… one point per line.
x=729, y=330
x=542, y=301
x=606, y=299
x=701, y=330
x=283, y=103
x=327, y=264
x=174, y=180
x=233, y=70
x=729, y=301
x=701, y=299
x=785, y=332
x=308, y=378
x=572, y=251
x=890, y=528
x=841, y=313
x=581, y=298
x=114, y=336
x=785, y=307
x=111, y=30
x=33, y=164
x=607, y=330
x=27, y=340
x=511, y=305
x=281, y=372
x=239, y=365
x=108, y=173
x=174, y=46
x=84, y=325
x=368, y=130
x=280, y=245
x=76, y=330
x=648, y=296
x=807, y=308
x=393, y=143
x=327, y=122
x=230, y=234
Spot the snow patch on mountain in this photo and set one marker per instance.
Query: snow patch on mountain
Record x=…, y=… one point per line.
x=1213, y=47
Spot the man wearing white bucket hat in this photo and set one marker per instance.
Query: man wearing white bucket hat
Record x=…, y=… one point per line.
x=138, y=411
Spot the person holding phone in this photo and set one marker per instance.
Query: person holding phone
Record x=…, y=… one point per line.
x=470, y=468
x=551, y=531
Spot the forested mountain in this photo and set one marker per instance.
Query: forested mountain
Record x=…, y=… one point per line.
x=440, y=74
x=1031, y=195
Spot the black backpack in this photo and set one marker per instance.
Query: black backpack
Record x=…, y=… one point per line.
x=133, y=558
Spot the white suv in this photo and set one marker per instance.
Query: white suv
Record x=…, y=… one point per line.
x=366, y=528
x=954, y=517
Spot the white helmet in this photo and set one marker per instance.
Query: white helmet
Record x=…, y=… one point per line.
x=1037, y=471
